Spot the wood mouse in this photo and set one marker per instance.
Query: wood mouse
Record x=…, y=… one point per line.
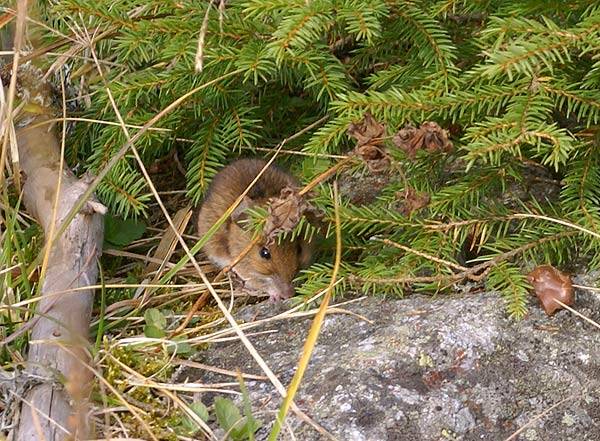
x=267, y=268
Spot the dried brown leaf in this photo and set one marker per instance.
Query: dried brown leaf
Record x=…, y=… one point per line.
x=286, y=211
x=550, y=284
x=412, y=200
x=375, y=157
x=409, y=140
x=367, y=131
x=369, y=143
x=430, y=136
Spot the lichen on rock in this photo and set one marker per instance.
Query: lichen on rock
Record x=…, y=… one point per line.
x=485, y=376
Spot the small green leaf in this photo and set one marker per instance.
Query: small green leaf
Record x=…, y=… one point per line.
x=152, y=331
x=155, y=318
x=181, y=348
x=201, y=411
x=121, y=232
x=228, y=416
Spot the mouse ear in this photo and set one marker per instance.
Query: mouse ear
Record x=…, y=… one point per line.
x=240, y=211
x=306, y=252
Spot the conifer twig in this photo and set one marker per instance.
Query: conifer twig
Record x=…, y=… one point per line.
x=422, y=254
x=475, y=273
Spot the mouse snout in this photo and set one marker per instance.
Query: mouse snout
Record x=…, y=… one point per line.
x=280, y=290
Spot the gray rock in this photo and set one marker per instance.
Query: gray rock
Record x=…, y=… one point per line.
x=449, y=368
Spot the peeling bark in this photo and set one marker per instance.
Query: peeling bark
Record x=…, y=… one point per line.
x=58, y=352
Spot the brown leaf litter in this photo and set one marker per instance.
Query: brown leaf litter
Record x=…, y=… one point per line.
x=430, y=137
x=550, y=284
x=369, y=135
x=412, y=200
x=286, y=211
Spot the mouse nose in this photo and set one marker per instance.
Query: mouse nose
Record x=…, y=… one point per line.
x=283, y=290
x=288, y=291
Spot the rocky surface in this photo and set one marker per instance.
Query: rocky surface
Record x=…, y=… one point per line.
x=450, y=368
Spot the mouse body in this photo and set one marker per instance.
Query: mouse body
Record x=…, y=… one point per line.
x=269, y=268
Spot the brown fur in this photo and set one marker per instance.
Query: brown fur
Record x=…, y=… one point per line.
x=273, y=276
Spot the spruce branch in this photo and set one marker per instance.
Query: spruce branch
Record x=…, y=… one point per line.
x=475, y=273
x=422, y=254
x=513, y=84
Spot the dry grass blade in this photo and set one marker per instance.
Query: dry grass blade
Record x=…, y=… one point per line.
x=8, y=127
x=557, y=221
x=167, y=244
x=28, y=302
x=196, y=365
x=588, y=288
x=201, y=38
x=97, y=121
x=578, y=314
x=325, y=175
x=424, y=255
x=313, y=333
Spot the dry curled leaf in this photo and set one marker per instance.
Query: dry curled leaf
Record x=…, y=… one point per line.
x=430, y=136
x=286, y=211
x=369, y=143
x=550, y=284
x=367, y=131
x=412, y=200
x=408, y=140
x=435, y=138
x=376, y=158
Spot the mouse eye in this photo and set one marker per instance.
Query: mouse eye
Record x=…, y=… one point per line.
x=265, y=253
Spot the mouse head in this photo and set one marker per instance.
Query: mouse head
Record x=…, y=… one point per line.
x=272, y=268
x=268, y=267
